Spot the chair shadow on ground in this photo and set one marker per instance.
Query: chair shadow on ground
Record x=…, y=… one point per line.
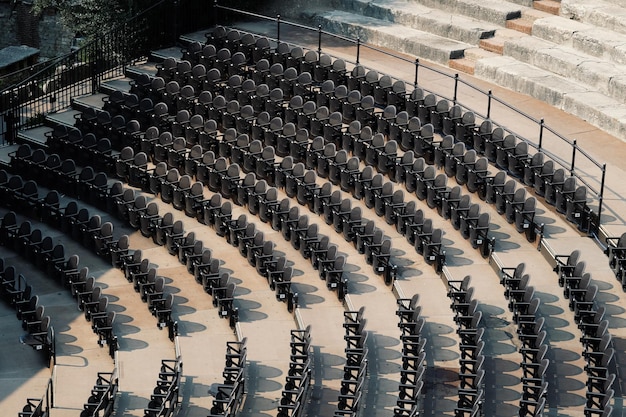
x=436, y=347
x=357, y=285
x=306, y=294
x=503, y=240
x=259, y=382
x=440, y=390
x=248, y=310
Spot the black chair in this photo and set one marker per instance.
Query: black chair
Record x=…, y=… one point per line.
x=552, y=183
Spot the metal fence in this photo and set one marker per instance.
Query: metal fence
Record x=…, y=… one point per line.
x=25, y=104
x=52, y=88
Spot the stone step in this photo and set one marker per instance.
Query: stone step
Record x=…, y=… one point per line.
x=575, y=98
x=600, y=75
x=584, y=37
x=526, y=3
x=525, y=23
x=435, y=21
x=521, y=25
x=493, y=11
x=548, y=6
x=394, y=36
x=465, y=65
x=468, y=62
x=609, y=15
x=496, y=44
x=475, y=54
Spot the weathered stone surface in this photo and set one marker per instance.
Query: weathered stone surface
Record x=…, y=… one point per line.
x=493, y=11
x=598, y=110
x=416, y=16
x=527, y=3
x=527, y=79
x=598, y=74
x=557, y=29
x=394, y=36
x=524, y=48
x=602, y=14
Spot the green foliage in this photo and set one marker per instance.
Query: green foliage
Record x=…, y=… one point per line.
x=90, y=18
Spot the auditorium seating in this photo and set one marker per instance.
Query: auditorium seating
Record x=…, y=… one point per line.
x=165, y=397
x=264, y=123
x=298, y=381
x=230, y=394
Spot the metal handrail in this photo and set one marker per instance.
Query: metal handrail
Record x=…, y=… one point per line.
x=85, y=47
x=81, y=72
x=568, y=165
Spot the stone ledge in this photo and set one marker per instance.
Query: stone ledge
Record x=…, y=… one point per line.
x=593, y=106
x=416, y=16
x=393, y=36
x=601, y=14
x=492, y=11
x=548, y=6
x=465, y=65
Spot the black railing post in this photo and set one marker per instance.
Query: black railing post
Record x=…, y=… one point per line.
x=277, y=29
x=358, y=49
x=573, y=166
x=417, y=66
x=95, y=57
x=601, y=196
x=176, y=5
x=319, y=39
x=541, y=125
x=9, y=120
x=215, y=19
x=489, y=94
x=456, y=86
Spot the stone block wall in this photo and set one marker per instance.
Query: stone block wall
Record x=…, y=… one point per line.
x=8, y=24
x=54, y=37
x=21, y=27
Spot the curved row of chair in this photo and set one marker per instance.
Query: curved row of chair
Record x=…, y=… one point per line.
x=31, y=244
x=119, y=131
x=71, y=143
x=575, y=214
x=238, y=233
x=503, y=150
x=53, y=172
x=616, y=251
x=103, y=395
x=98, y=237
x=524, y=304
x=15, y=290
x=165, y=396
x=230, y=394
x=355, y=370
x=297, y=389
x=471, y=361
x=409, y=401
x=596, y=340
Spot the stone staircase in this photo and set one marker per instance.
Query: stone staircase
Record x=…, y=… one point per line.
x=570, y=53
